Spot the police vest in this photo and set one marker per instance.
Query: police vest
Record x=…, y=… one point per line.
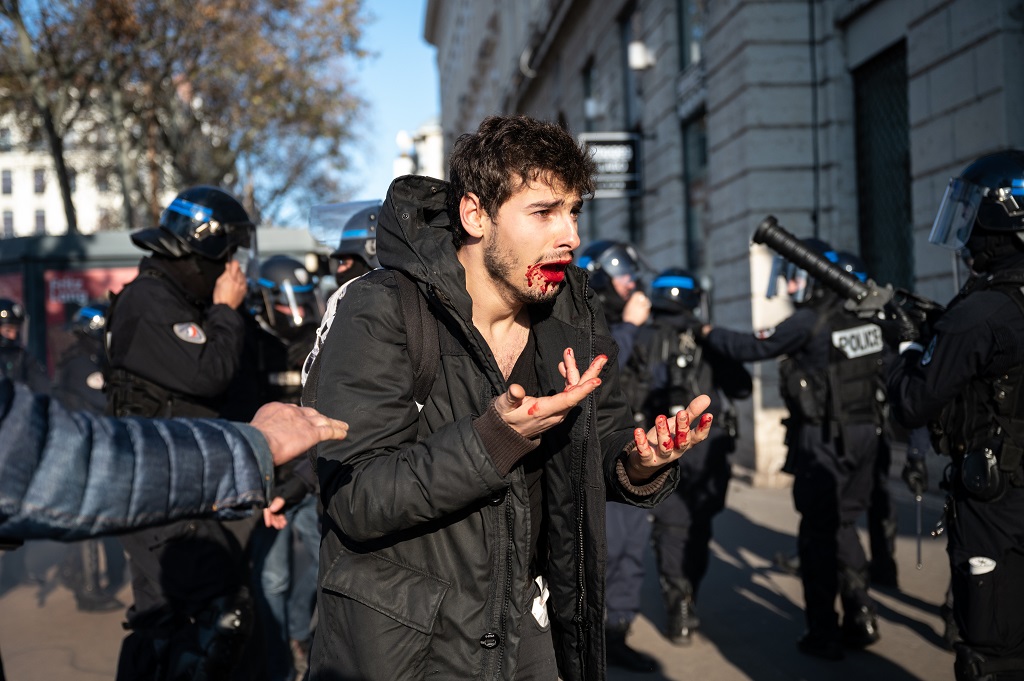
x=988, y=414
x=855, y=376
x=675, y=352
x=849, y=390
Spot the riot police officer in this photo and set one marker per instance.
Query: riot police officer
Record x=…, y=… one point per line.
x=174, y=345
x=966, y=381
x=882, y=527
x=614, y=275
x=78, y=384
x=17, y=363
x=356, y=253
x=829, y=382
x=673, y=369
x=285, y=306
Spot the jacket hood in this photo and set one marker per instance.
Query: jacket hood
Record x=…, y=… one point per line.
x=414, y=232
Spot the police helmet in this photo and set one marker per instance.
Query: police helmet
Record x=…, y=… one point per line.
x=676, y=290
x=802, y=287
x=287, y=299
x=11, y=312
x=989, y=193
x=201, y=220
x=91, y=319
x=611, y=257
x=853, y=264
x=359, y=237
x=606, y=260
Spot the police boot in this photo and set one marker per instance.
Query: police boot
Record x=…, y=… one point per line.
x=882, y=568
x=682, y=612
x=621, y=655
x=818, y=645
x=950, y=631
x=860, y=627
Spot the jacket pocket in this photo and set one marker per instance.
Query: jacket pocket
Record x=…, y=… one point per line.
x=406, y=595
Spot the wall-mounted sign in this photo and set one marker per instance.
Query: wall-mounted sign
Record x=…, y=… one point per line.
x=617, y=155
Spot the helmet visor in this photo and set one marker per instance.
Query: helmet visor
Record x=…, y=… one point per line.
x=195, y=223
x=289, y=305
x=957, y=212
x=779, y=267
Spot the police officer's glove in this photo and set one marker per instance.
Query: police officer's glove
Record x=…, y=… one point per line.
x=915, y=474
x=898, y=326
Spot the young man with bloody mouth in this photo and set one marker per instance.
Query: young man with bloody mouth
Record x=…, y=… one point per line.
x=464, y=535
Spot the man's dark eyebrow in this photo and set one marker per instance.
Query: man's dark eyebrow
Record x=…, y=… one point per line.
x=555, y=203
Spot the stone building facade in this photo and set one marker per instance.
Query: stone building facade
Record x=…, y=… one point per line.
x=842, y=118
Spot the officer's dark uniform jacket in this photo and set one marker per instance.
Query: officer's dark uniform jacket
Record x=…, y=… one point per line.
x=273, y=373
x=21, y=367
x=968, y=382
x=424, y=562
x=968, y=385
x=172, y=355
x=78, y=381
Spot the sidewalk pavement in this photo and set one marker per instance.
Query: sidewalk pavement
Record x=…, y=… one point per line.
x=750, y=612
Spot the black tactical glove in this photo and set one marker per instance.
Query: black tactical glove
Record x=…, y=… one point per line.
x=898, y=326
x=915, y=474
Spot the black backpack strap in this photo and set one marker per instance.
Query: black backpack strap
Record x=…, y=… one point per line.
x=421, y=334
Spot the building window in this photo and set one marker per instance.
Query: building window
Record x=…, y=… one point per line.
x=39, y=180
x=8, y=224
x=40, y=222
x=691, y=15
x=882, y=127
x=5, y=180
x=5, y=139
x=695, y=170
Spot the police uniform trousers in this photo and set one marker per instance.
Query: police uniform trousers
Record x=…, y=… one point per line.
x=882, y=527
x=988, y=606
x=831, y=488
x=628, y=531
x=180, y=571
x=682, y=523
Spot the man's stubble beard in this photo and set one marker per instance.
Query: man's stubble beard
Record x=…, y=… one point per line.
x=500, y=264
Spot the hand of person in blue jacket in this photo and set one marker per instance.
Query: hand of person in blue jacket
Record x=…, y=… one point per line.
x=531, y=416
x=667, y=440
x=291, y=431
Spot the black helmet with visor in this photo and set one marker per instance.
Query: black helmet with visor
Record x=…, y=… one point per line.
x=201, y=220
x=989, y=194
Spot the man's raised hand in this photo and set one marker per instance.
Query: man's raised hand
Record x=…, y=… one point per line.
x=531, y=416
x=667, y=440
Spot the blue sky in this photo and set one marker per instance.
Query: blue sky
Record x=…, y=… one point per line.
x=399, y=82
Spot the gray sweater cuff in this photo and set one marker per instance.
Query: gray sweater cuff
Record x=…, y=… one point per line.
x=651, y=486
x=503, y=444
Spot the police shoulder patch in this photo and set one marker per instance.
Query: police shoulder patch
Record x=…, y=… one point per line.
x=190, y=332
x=761, y=334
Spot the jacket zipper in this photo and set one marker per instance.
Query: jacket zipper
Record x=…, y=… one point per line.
x=583, y=628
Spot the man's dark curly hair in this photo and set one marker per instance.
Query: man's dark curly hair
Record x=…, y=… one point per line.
x=505, y=154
